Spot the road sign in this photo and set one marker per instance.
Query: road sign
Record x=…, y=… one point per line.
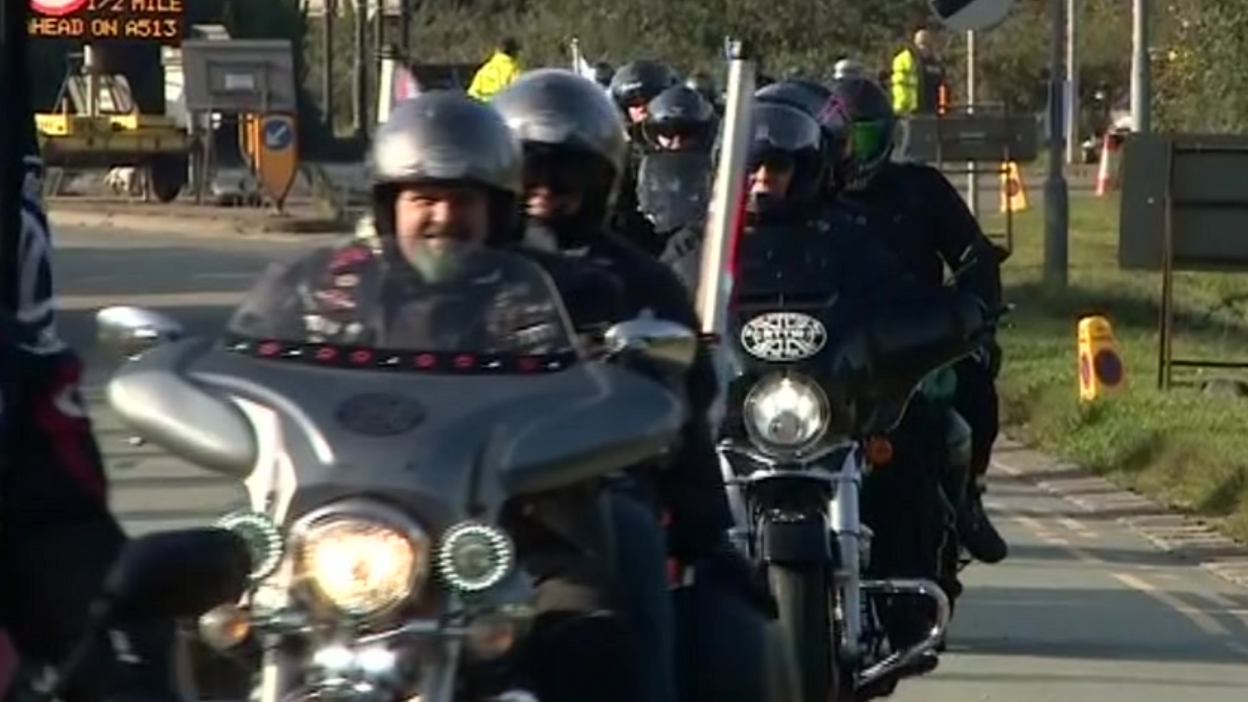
x=279, y=133
x=277, y=155
x=971, y=15
x=58, y=8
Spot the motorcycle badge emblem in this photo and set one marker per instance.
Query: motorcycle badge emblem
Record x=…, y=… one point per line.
x=379, y=414
x=783, y=336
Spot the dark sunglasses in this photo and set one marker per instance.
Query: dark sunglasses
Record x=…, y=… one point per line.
x=555, y=169
x=774, y=159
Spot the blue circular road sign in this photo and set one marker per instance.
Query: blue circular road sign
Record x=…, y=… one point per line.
x=279, y=133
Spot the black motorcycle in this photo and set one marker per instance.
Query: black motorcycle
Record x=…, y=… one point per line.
x=824, y=371
x=388, y=485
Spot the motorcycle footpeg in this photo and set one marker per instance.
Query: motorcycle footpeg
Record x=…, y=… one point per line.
x=913, y=659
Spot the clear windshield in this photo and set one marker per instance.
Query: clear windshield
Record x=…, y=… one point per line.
x=674, y=188
x=467, y=299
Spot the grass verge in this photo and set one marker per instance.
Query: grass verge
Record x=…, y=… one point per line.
x=1185, y=448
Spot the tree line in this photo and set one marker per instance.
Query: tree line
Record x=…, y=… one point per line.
x=1198, y=44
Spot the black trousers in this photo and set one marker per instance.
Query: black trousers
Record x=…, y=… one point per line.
x=976, y=400
x=57, y=536
x=605, y=625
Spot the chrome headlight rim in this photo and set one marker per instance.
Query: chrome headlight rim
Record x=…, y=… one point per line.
x=503, y=553
x=263, y=537
x=769, y=384
x=369, y=514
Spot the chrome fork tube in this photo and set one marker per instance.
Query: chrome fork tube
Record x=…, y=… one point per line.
x=739, y=533
x=846, y=524
x=277, y=672
x=438, y=673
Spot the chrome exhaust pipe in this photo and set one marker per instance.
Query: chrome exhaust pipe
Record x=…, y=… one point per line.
x=899, y=660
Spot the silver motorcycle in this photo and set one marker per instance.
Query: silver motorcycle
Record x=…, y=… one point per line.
x=388, y=485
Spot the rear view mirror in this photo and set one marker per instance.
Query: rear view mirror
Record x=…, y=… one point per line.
x=656, y=340
x=127, y=332
x=177, y=574
x=971, y=15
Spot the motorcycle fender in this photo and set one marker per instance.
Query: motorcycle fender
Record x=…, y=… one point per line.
x=804, y=542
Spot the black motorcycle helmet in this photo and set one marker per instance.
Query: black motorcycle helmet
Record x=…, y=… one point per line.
x=603, y=73
x=786, y=139
x=814, y=99
x=445, y=136
x=680, y=112
x=573, y=138
x=639, y=82
x=872, y=127
x=702, y=83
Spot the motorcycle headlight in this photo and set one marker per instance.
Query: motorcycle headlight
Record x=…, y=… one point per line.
x=786, y=413
x=475, y=557
x=360, y=564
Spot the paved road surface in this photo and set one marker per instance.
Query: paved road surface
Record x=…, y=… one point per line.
x=1084, y=611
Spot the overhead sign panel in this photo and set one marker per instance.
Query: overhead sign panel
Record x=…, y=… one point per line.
x=160, y=21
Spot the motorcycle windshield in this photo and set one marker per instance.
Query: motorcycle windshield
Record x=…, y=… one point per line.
x=674, y=189
x=470, y=392
x=838, y=306
x=457, y=300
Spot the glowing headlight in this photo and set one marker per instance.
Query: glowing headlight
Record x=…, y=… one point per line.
x=475, y=557
x=363, y=567
x=786, y=413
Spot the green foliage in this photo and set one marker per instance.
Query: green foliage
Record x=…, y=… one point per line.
x=1199, y=44
x=1200, y=82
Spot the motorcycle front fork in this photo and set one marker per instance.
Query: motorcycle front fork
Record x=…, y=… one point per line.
x=852, y=541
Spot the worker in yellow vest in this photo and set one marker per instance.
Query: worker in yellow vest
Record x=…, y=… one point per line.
x=499, y=72
x=918, y=78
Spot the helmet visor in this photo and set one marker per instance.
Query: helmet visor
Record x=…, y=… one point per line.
x=870, y=140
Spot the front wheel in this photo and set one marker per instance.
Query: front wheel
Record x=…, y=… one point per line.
x=803, y=599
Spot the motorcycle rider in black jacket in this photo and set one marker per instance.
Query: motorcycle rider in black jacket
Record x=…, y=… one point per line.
x=932, y=231
x=679, y=133
x=788, y=205
x=632, y=88
x=575, y=152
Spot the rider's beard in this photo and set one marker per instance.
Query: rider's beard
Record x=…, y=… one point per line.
x=427, y=251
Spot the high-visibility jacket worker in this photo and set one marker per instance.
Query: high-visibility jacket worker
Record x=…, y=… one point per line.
x=499, y=72
x=918, y=78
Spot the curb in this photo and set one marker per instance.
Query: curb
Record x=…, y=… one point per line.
x=1191, y=539
x=201, y=226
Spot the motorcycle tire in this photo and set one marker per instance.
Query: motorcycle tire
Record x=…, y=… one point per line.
x=802, y=598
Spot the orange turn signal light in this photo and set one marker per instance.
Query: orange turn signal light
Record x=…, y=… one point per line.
x=878, y=450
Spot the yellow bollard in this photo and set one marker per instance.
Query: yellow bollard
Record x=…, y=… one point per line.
x=1101, y=370
x=1013, y=193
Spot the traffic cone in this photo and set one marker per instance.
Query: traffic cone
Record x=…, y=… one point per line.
x=1013, y=194
x=1105, y=181
x=1101, y=370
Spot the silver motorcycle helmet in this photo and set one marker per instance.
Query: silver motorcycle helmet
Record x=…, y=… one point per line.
x=568, y=126
x=446, y=137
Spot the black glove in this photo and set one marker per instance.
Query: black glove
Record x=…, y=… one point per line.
x=988, y=357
